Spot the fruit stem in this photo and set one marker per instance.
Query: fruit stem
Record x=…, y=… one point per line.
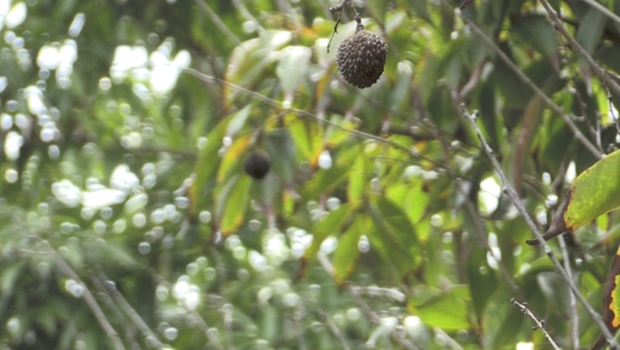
x=360, y=26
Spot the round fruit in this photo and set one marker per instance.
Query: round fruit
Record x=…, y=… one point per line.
x=361, y=58
x=257, y=164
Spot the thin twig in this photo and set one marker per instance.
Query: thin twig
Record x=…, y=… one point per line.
x=411, y=151
x=603, y=10
x=611, y=109
x=372, y=316
x=128, y=328
x=540, y=324
x=596, y=69
x=247, y=15
x=227, y=310
x=333, y=328
x=449, y=340
x=512, y=194
x=218, y=22
x=524, y=78
x=69, y=272
x=339, y=9
x=574, y=316
x=378, y=291
x=129, y=310
x=299, y=329
x=485, y=242
x=88, y=296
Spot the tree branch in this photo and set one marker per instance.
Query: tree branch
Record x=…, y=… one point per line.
x=129, y=310
x=218, y=22
x=603, y=10
x=539, y=323
x=554, y=107
x=372, y=316
x=574, y=316
x=596, y=69
x=69, y=272
x=510, y=191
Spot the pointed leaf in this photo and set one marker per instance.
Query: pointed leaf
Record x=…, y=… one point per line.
x=393, y=235
x=232, y=203
x=347, y=253
x=536, y=31
x=357, y=177
x=292, y=68
x=590, y=29
x=206, y=166
x=594, y=192
x=330, y=225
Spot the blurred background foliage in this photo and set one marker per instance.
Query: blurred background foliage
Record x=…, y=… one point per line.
x=127, y=221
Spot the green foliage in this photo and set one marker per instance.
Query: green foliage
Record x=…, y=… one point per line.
x=127, y=220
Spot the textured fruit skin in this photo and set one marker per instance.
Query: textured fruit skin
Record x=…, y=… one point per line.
x=257, y=164
x=361, y=58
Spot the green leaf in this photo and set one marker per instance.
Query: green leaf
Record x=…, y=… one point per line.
x=347, y=253
x=206, y=166
x=325, y=180
x=537, y=32
x=235, y=200
x=292, y=68
x=233, y=160
x=322, y=228
x=398, y=221
x=378, y=9
x=590, y=29
x=280, y=146
x=358, y=177
x=594, y=192
x=445, y=309
x=9, y=277
x=393, y=235
x=237, y=121
x=307, y=136
x=419, y=7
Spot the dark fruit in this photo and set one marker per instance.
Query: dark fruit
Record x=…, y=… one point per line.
x=257, y=164
x=361, y=58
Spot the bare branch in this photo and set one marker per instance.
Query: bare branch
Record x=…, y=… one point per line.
x=485, y=242
x=552, y=105
x=297, y=319
x=301, y=113
x=603, y=10
x=217, y=21
x=129, y=310
x=128, y=328
x=372, y=316
x=247, y=15
x=510, y=191
x=333, y=328
x=449, y=341
x=69, y=272
x=540, y=324
x=574, y=316
x=387, y=292
x=596, y=69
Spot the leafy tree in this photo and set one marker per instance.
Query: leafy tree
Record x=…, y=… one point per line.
x=390, y=216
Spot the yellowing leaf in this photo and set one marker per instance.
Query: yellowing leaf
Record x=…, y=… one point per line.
x=611, y=301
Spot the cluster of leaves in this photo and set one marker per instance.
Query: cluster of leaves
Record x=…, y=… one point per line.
x=126, y=218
